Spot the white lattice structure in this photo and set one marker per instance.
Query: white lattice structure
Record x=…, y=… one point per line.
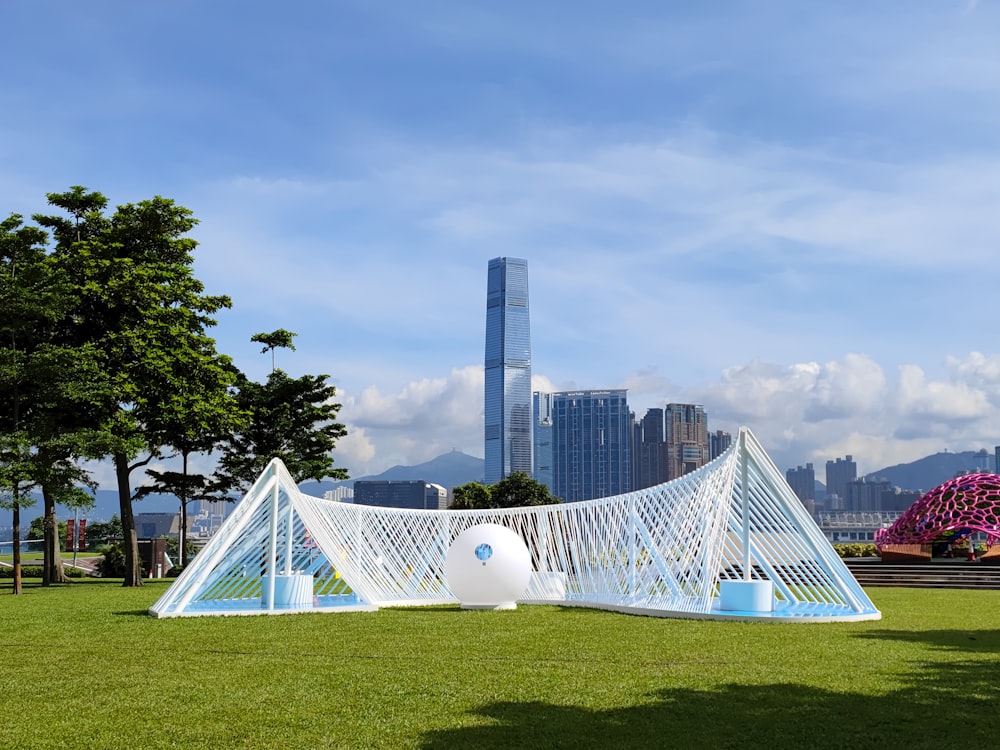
x=663, y=551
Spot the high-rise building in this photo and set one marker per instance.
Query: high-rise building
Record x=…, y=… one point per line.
x=687, y=438
x=650, y=451
x=718, y=443
x=541, y=410
x=802, y=480
x=507, y=404
x=590, y=444
x=838, y=474
x=401, y=493
x=865, y=494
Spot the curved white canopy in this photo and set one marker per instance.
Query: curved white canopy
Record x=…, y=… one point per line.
x=665, y=551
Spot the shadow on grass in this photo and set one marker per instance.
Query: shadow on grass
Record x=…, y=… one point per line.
x=950, y=640
x=940, y=705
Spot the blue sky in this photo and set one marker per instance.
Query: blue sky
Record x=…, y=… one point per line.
x=784, y=211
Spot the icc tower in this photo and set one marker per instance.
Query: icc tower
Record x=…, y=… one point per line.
x=507, y=404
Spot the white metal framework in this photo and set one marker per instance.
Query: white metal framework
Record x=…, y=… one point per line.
x=661, y=551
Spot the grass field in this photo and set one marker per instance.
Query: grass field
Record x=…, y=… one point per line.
x=82, y=665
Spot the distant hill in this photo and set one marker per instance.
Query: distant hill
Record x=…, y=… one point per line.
x=449, y=470
x=456, y=468
x=928, y=472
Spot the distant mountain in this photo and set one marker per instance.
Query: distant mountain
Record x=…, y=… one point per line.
x=105, y=506
x=928, y=472
x=456, y=468
x=449, y=470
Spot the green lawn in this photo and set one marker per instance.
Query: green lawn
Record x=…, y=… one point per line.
x=82, y=665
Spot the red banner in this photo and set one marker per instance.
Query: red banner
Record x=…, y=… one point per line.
x=70, y=528
x=81, y=535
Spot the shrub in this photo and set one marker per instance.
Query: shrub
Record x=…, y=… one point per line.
x=36, y=571
x=856, y=549
x=113, y=561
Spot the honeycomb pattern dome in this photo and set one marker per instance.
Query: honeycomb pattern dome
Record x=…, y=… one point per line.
x=955, y=509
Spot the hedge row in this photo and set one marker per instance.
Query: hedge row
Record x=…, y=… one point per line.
x=36, y=571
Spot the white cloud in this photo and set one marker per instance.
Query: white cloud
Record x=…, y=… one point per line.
x=424, y=419
x=813, y=412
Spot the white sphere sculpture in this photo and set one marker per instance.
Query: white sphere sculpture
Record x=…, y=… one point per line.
x=488, y=567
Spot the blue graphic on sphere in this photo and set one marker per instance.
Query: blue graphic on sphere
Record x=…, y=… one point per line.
x=484, y=552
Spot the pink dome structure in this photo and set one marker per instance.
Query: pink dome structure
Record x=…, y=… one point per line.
x=951, y=511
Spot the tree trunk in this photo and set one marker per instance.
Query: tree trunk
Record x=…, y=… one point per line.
x=182, y=532
x=52, y=569
x=133, y=566
x=17, y=545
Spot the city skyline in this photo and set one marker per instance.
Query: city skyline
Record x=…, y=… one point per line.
x=784, y=213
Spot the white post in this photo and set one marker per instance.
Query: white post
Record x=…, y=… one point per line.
x=632, y=531
x=745, y=503
x=289, y=548
x=272, y=550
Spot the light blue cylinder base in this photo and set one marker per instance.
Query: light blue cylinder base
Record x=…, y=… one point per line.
x=746, y=596
x=294, y=590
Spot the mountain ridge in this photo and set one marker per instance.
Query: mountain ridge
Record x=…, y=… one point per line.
x=456, y=468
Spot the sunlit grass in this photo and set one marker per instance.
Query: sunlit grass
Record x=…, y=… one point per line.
x=84, y=666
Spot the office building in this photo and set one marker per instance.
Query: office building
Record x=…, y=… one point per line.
x=590, y=444
x=650, y=451
x=838, y=474
x=342, y=494
x=686, y=437
x=718, y=443
x=802, y=480
x=541, y=410
x=865, y=495
x=408, y=493
x=507, y=370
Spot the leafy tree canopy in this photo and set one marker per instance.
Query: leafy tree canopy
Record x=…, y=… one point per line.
x=515, y=491
x=293, y=419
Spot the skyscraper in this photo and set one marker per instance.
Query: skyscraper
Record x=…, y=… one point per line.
x=590, y=444
x=687, y=438
x=541, y=408
x=802, y=480
x=838, y=474
x=650, y=451
x=718, y=443
x=507, y=404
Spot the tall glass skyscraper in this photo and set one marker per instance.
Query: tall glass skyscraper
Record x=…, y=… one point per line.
x=507, y=405
x=590, y=444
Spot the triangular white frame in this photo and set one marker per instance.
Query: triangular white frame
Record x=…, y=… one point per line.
x=662, y=551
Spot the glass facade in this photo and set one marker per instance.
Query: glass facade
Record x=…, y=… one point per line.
x=541, y=404
x=590, y=444
x=507, y=404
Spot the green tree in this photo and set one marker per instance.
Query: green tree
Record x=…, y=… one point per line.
x=49, y=392
x=274, y=340
x=515, y=491
x=196, y=421
x=290, y=418
x=138, y=303
x=470, y=496
x=100, y=533
x=36, y=529
x=519, y=490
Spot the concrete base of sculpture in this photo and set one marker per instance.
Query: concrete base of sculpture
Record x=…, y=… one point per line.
x=502, y=605
x=746, y=596
x=295, y=590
